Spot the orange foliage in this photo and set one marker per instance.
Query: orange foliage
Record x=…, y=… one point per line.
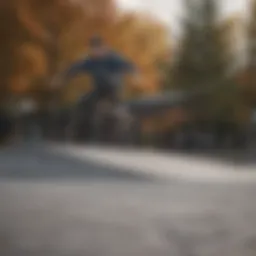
x=26, y=30
x=51, y=34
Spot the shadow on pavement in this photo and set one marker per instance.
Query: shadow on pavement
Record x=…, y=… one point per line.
x=38, y=162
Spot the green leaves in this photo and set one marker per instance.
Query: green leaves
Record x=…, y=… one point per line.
x=203, y=60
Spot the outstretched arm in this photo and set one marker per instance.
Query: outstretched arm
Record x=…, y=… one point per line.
x=124, y=64
x=78, y=67
x=128, y=67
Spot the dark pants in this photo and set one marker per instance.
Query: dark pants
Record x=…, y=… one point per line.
x=90, y=101
x=86, y=107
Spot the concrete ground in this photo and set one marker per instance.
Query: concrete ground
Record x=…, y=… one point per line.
x=82, y=201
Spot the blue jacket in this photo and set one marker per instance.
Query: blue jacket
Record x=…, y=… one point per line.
x=107, y=71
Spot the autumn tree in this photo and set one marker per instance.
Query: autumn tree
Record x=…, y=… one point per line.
x=44, y=22
x=28, y=33
x=52, y=34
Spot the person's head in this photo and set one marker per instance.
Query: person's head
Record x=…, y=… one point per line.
x=97, y=47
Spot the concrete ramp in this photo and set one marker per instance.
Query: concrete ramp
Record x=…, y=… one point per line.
x=162, y=165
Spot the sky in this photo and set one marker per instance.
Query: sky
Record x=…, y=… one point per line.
x=170, y=11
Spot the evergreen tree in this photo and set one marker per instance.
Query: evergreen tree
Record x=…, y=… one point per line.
x=203, y=63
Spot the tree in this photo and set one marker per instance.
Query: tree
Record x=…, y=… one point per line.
x=186, y=66
x=9, y=42
x=246, y=78
x=28, y=54
x=249, y=84
x=51, y=34
x=252, y=35
x=203, y=63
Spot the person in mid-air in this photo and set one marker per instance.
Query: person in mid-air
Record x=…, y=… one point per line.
x=107, y=69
